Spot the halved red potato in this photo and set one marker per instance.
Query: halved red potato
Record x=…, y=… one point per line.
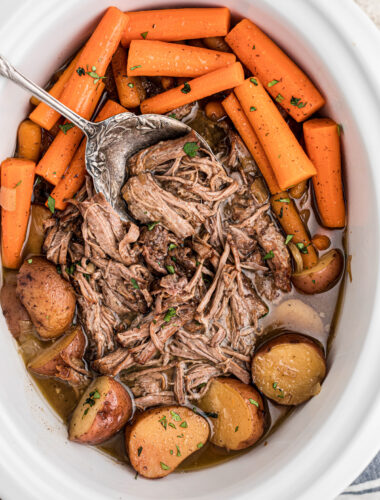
x=289, y=369
x=321, y=277
x=53, y=359
x=103, y=410
x=241, y=415
x=14, y=312
x=161, y=438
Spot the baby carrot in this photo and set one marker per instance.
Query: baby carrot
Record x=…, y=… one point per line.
x=56, y=159
x=283, y=79
x=29, y=140
x=323, y=147
x=45, y=116
x=203, y=86
x=294, y=228
x=74, y=176
x=285, y=154
x=129, y=88
x=154, y=58
x=176, y=24
x=93, y=61
x=17, y=177
x=242, y=125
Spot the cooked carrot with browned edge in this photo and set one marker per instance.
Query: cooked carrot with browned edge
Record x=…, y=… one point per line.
x=61, y=151
x=294, y=228
x=176, y=24
x=285, y=154
x=155, y=58
x=321, y=241
x=45, y=116
x=203, y=86
x=29, y=140
x=17, y=177
x=282, y=78
x=323, y=147
x=129, y=88
x=93, y=61
x=242, y=125
x=74, y=176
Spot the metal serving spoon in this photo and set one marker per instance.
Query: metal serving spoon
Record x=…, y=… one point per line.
x=111, y=142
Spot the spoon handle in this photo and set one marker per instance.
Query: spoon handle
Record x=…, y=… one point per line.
x=8, y=71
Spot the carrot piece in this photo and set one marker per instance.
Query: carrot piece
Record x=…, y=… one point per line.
x=176, y=24
x=56, y=159
x=242, y=125
x=17, y=177
x=323, y=147
x=129, y=88
x=321, y=241
x=285, y=154
x=203, y=86
x=45, y=116
x=154, y=58
x=291, y=222
x=74, y=176
x=94, y=59
x=29, y=140
x=283, y=79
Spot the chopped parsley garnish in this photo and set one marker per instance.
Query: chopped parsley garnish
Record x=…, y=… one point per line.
x=178, y=450
x=281, y=395
x=296, y=101
x=254, y=81
x=272, y=83
x=269, y=255
x=19, y=182
x=339, y=128
x=252, y=108
x=172, y=115
x=274, y=385
x=170, y=314
x=139, y=451
x=163, y=421
x=172, y=246
x=180, y=436
x=152, y=225
x=135, y=284
x=191, y=149
x=313, y=281
x=30, y=261
x=91, y=399
x=281, y=212
x=170, y=269
x=171, y=452
x=186, y=88
x=66, y=126
x=253, y=47
x=132, y=68
x=279, y=98
x=80, y=71
x=164, y=466
x=183, y=424
x=253, y=402
x=288, y=238
x=131, y=85
x=145, y=34
x=199, y=445
x=283, y=200
x=175, y=416
x=302, y=248
x=51, y=204
x=172, y=425
x=95, y=75
x=71, y=269
x=236, y=428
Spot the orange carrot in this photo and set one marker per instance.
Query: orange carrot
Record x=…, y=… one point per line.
x=321, y=241
x=56, y=159
x=45, y=116
x=176, y=24
x=74, y=176
x=203, y=86
x=323, y=147
x=93, y=61
x=17, y=176
x=242, y=125
x=285, y=154
x=283, y=79
x=294, y=228
x=29, y=140
x=154, y=58
x=129, y=88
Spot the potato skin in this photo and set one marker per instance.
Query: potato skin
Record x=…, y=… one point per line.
x=106, y=417
x=150, y=439
x=71, y=345
x=48, y=298
x=13, y=310
x=321, y=277
x=289, y=369
x=241, y=414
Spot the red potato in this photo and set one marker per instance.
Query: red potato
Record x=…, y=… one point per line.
x=55, y=360
x=161, y=438
x=240, y=409
x=14, y=312
x=289, y=369
x=102, y=411
x=322, y=276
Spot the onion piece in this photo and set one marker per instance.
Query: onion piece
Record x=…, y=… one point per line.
x=296, y=254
